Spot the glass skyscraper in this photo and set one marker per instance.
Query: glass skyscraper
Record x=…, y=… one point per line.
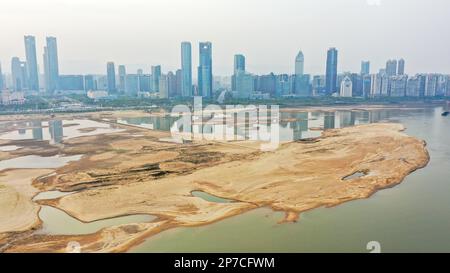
x=186, y=69
x=365, y=68
x=239, y=63
x=111, y=75
x=331, y=72
x=32, y=68
x=391, y=67
x=51, y=65
x=122, y=76
x=299, y=64
x=156, y=74
x=205, y=69
x=18, y=74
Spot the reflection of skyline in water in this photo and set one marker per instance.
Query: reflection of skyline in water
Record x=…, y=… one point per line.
x=296, y=125
x=56, y=130
x=37, y=130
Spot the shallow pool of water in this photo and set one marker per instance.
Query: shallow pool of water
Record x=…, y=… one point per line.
x=354, y=176
x=57, y=222
x=57, y=130
x=37, y=162
x=46, y=195
x=9, y=148
x=210, y=198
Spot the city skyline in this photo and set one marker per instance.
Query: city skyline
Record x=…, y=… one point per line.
x=413, y=38
x=391, y=66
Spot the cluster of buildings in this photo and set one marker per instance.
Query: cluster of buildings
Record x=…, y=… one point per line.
x=390, y=81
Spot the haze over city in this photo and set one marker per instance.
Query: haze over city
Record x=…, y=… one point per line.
x=141, y=33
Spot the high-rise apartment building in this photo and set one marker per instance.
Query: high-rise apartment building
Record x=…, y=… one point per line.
x=365, y=68
x=156, y=74
x=18, y=74
x=346, y=89
x=391, y=67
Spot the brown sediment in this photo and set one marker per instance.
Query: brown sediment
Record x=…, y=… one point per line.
x=120, y=175
x=17, y=211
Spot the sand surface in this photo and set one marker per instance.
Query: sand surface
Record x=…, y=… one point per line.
x=17, y=211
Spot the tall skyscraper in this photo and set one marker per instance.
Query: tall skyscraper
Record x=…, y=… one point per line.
x=401, y=67
x=365, y=68
x=163, y=87
x=51, y=66
x=18, y=74
x=391, y=67
x=299, y=64
x=32, y=68
x=111, y=74
x=239, y=66
x=89, y=83
x=156, y=75
x=331, y=71
x=245, y=84
x=171, y=84
x=122, y=77
x=179, y=76
x=186, y=69
x=239, y=63
x=398, y=86
x=205, y=69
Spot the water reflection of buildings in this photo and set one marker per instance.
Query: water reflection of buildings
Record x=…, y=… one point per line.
x=376, y=116
x=346, y=118
x=293, y=125
x=329, y=120
x=55, y=128
x=37, y=130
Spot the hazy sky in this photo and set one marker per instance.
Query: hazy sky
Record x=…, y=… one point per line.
x=269, y=33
